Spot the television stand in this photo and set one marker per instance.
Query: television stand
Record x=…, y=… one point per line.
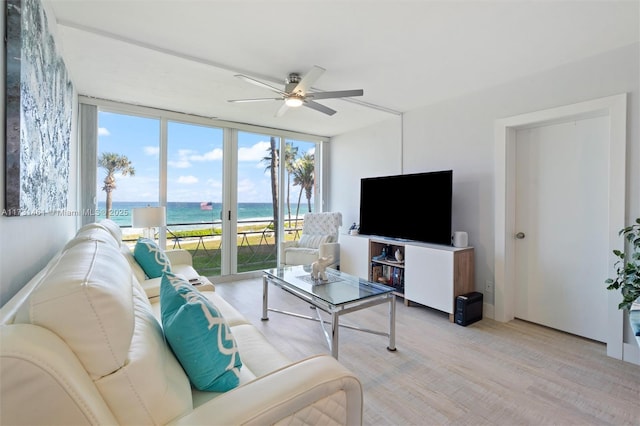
x=432, y=275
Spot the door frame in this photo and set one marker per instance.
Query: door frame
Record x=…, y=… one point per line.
x=615, y=107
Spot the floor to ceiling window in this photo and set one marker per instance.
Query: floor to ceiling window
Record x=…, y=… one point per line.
x=128, y=166
x=194, y=193
x=229, y=194
x=301, y=185
x=257, y=206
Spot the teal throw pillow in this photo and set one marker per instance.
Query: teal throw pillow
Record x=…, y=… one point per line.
x=199, y=336
x=151, y=258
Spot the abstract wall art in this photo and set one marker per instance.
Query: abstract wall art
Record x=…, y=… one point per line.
x=39, y=98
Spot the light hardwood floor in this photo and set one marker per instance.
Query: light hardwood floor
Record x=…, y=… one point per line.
x=487, y=373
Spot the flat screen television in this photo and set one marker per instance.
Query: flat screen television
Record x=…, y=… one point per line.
x=412, y=206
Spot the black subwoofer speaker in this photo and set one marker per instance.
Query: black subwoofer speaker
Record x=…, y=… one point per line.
x=468, y=308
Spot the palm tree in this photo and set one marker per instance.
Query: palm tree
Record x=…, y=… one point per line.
x=113, y=163
x=272, y=159
x=303, y=176
x=290, y=155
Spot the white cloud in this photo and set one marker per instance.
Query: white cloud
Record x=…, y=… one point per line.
x=180, y=164
x=215, y=154
x=151, y=150
x=186, y=156
x=215, y=184
x=183, y=159
x=132, y=188
x=102, y=131
x=188, y=179
x=254, y=153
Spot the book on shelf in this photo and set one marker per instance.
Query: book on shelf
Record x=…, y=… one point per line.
x=376, y=272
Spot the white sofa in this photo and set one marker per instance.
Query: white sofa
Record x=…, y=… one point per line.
x=82, y=343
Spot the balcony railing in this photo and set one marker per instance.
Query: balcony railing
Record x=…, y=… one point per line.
x=255, y=239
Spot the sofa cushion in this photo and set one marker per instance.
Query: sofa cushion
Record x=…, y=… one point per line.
x=151, y=257
x=199, y=336
x=86, y=299
x=151, y=387
x=113, y=228
x=95, y=232
x=135, y=266
x=90, y=298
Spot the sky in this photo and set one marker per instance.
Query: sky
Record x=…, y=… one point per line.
x=194, y=166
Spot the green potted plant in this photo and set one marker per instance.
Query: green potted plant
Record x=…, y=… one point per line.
x=627, y=278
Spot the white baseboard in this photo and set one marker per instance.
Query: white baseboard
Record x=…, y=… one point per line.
x=631, y=353
x=487, y=311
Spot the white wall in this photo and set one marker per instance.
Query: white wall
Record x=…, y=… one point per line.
x=458, y=134
x=372, y=151
x=27, y=243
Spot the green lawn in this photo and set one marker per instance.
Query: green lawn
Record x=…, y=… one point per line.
x=256, y=248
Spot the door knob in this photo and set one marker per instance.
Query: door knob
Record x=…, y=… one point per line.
x=520, y=235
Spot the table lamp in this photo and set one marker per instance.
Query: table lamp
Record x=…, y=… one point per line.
x=149, y=218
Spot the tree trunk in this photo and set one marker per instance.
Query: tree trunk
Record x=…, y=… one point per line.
x=274, y=187
x=288, y=198
x=109, y=185
x=108, y=205
x=298, y=207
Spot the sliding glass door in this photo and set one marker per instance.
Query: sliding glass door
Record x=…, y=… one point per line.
x=256, y=201
x=194, y=193
x=231, y=195
x=275, y=188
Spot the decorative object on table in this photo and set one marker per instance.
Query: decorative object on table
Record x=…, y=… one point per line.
x=319, y=268
x=627, y=278
x=382, y=255
x=149, y=218
x=460, y=239
x=398, y=255
x=354, y=229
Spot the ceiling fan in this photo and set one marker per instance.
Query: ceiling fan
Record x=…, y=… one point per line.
x=296, y=92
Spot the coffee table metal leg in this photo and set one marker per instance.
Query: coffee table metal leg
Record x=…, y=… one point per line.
x=265, y=297
x=392, y=323
x=335, y=326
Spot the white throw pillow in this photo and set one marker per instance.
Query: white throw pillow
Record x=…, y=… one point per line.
x=313, y=241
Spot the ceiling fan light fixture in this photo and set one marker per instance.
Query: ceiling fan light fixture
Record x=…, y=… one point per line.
x=293, y=101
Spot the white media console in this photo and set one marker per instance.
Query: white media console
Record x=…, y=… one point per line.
x=430, y=274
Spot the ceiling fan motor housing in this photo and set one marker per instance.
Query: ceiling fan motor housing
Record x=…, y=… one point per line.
x=291, y=82
x=294, y=77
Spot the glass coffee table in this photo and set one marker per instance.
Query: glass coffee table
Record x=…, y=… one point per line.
x=340, y=294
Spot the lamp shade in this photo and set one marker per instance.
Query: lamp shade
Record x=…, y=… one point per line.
x=149, y=217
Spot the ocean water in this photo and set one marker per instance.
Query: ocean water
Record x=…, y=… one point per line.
x=188, y=213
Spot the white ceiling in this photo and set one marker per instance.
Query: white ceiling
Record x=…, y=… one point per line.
x=182, y=55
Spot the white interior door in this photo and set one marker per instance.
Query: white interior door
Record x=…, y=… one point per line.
x=562, y=209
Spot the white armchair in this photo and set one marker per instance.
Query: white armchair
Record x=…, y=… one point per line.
x=319, y=239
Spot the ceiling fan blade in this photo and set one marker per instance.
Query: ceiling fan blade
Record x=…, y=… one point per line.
x=282, y=110
x=259, y=83
x=319, y=107
x=254, y=100
x=335, y=94
x=308, y=79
